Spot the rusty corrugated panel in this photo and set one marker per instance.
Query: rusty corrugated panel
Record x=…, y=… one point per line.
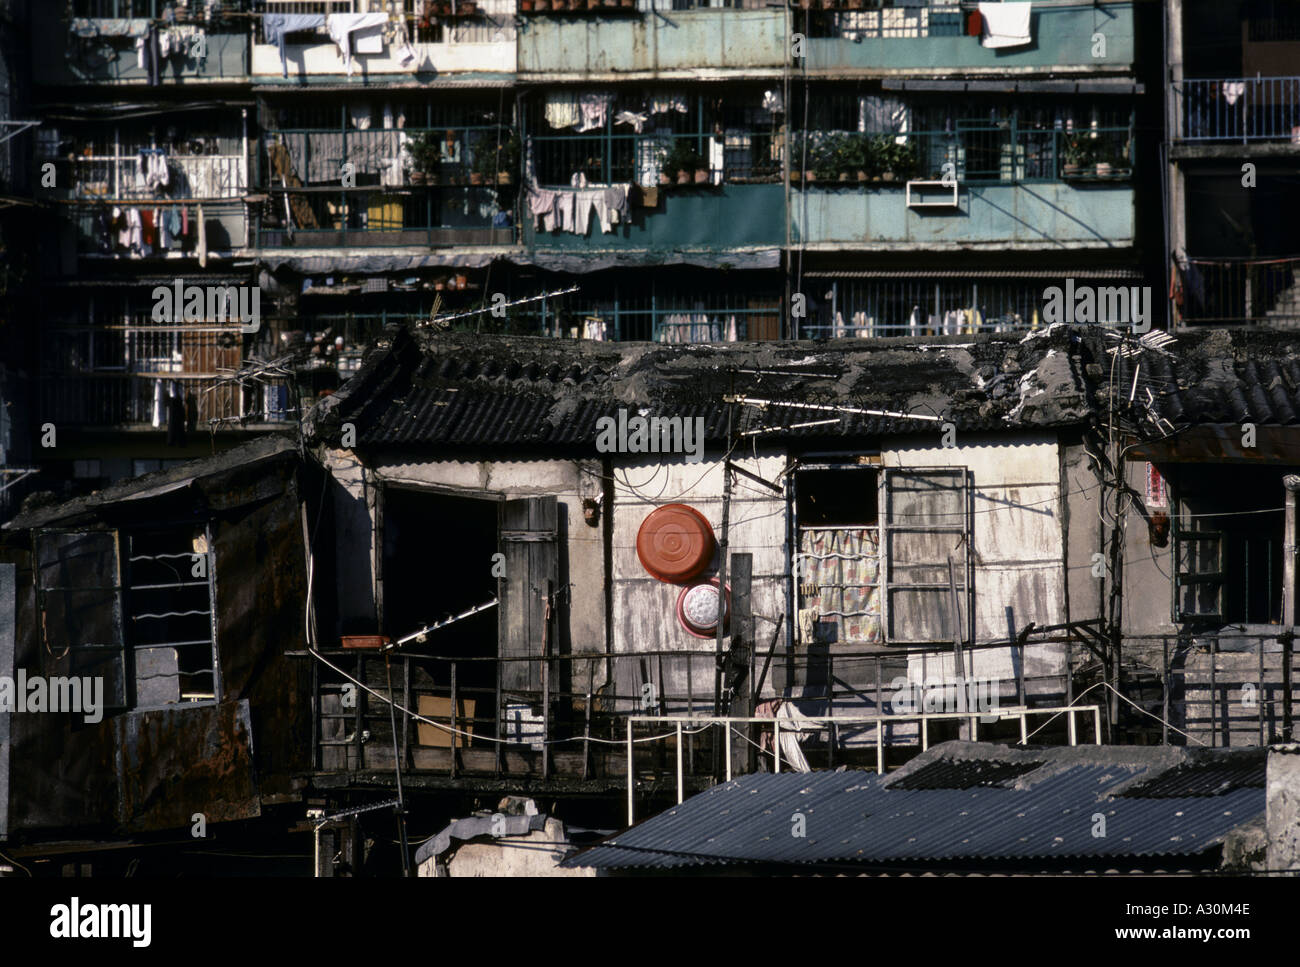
x=174, y=762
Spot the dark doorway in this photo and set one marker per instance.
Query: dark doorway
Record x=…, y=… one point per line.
x=437, y=563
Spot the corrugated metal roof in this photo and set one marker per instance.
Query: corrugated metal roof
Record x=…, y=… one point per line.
x=963, y=774
x=1081, y=273
x=853, y=817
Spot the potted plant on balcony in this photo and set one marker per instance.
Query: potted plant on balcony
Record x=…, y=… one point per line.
x=508, y=158
x=858, y=155
x=1076, y=157
x=686, y=163
x=426, y=155
x=483, y=164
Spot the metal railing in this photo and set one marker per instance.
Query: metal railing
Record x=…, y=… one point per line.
x=1005, y=152
x=919, y=307
x=663, y=315
x=480, y=22
x=1239, y=108
x=1238, y=292
x=571, y=715
x=126, y=374
x=879, y=724
x=120, y=177
x=857, y=20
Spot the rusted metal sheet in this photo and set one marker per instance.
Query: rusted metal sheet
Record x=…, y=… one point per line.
x=173, y=763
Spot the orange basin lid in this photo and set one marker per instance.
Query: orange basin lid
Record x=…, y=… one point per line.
x=675, y=543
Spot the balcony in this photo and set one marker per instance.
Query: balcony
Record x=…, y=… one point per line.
x=689, y=184
x=882, y=37
x=405, y=187
x=470, y=37
x=132, y=373
x=656, y=38
x=1238, y=292
x=102, y=49
x=1238, y=109
x=1028, y=186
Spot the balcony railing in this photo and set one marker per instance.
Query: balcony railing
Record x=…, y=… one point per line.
x=1218, y=292
x=567, y=716
x=924, y=307
x=973, y=153
x=857, y=20
x=1239, y=109
x=127, y=374
x=121, y=177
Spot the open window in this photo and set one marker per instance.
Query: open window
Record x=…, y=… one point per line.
x=135, y=608
x=1228, y=521
x=838, y=567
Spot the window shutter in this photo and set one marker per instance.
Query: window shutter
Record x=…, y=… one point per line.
x=529, y=541
x=926, y=521
x=79, y=594
x=1198, y=570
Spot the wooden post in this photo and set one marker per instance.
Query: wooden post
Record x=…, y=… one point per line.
x=1292, y=484
x=454, y=735
x=546, y=682
x=586, y=725
x=742, y=637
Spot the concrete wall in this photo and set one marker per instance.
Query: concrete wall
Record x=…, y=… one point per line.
x=645, y=617
x=537, y=853
x=1062, y=41
x=114, y=59
x=678, y=43
x=325, y=59
x=1049, y=214
x=1282, y=811
x=1018, y=546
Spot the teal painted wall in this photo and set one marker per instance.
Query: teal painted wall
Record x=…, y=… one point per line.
x=700, y=218
x=52, y=43
x=1062, y=38
x=1044, y=213
x=680, y=40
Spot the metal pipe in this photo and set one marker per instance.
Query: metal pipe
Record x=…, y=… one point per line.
x=776, y=741
x=629, y=772
x=680, y=797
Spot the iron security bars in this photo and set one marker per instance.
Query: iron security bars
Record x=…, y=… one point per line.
x=1238, y=108
x=651, y=137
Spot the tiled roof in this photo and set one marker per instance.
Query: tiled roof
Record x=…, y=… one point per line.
x=458, y=389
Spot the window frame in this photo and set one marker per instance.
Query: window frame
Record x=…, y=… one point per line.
x=122, y=588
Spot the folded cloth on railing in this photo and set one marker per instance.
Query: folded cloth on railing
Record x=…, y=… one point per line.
x=276, y=25
x=1232, y=90
x=343, y=25
x=1006, y=24
x=792, y=757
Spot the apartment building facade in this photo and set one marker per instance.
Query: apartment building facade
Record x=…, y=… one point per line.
x=666, y=170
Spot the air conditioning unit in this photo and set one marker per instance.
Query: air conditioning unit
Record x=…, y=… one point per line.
x=932, y=194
